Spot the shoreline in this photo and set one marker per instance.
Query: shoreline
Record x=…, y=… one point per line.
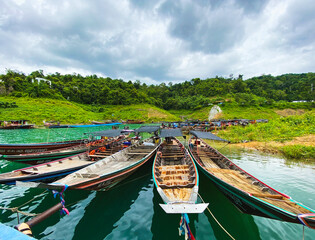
x=274, y=147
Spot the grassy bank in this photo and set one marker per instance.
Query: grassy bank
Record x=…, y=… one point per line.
x=39, y=109
x=281, y=134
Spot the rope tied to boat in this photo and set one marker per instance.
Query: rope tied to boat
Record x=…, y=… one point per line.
x=184, y=228
x=217, y=220
x=64, y=210
x=304, y=216
x=17, y=211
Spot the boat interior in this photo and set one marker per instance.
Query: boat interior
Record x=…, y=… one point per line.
x=111, y=164
x=174, y=171
x=221, y=167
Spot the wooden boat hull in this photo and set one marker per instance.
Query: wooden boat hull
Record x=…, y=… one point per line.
x=107, y=182
x=14, y=149
x=35, y=173
x=250, y=204
x=17, y=127
x=42, y=158
x=45, y=178
x=176, y=179
x=111, y=170
x=59, y=126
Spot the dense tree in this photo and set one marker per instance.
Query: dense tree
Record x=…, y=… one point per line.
x=192, y=94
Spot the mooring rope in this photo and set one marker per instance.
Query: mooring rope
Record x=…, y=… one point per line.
x=17, y=211
x=217, y=220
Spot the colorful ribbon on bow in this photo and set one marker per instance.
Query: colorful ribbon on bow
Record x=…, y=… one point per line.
x=64, y=210
x=302, y=217
x=184, y=227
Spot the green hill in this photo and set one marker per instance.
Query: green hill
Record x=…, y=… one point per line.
x=39, y=109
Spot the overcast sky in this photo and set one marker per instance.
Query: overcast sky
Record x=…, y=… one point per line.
x=158, y=41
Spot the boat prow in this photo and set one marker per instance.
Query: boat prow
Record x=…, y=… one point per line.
x=184, y=208
x=50, y=186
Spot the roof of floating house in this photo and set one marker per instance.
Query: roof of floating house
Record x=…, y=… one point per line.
x=207, y=135
x=148, y=129
x=171, y=133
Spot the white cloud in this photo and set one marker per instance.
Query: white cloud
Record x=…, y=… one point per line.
x=158, y=41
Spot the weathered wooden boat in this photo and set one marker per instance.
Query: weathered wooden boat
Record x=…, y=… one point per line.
x=47, y=172
x=13, y=149
x=15, y=124
x=101, y=145
x=106, y=173
x=175, y=176
x=246, y=192
x=55, y=124
x=47, y=156
x=134, y=121
x=53, y=170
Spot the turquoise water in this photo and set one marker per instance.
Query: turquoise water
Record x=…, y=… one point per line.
x=131, y=210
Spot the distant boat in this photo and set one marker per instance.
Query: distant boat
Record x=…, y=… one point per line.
x=15, y=124
x=134, y=122
x=105, y=122
x=94, y=125
x=55, y=124
x=246, y=192
x=20, y=148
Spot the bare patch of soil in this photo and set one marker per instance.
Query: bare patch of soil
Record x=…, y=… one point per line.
x=273, y=147
x=290, y=112
x=156, y=114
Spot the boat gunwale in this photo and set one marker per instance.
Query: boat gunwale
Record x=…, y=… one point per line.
x=58, y=160
x=237, y=191
x=111, y=175
x=15, y=145
x=104, y=177
x=231, y=163
x=191, y=159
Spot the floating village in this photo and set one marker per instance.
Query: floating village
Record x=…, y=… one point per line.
x=105, y=158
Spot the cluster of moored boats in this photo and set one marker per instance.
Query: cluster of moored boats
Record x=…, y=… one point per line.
x=103, y=163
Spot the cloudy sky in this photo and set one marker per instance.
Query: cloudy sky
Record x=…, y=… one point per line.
x=158, y=41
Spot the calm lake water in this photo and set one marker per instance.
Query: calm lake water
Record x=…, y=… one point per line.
x=131, y=210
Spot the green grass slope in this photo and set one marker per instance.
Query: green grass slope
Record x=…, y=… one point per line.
x=39, y=109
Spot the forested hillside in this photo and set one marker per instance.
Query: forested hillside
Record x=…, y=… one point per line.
x=191, y=95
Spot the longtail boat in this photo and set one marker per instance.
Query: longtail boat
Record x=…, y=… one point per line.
x=53, y=170
x=47, y=156
x=16, y=124
x=13, y=149
x=175, y=176
x=246, y=192
x=100, y=146
x=47, y=172
x=106, y=173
